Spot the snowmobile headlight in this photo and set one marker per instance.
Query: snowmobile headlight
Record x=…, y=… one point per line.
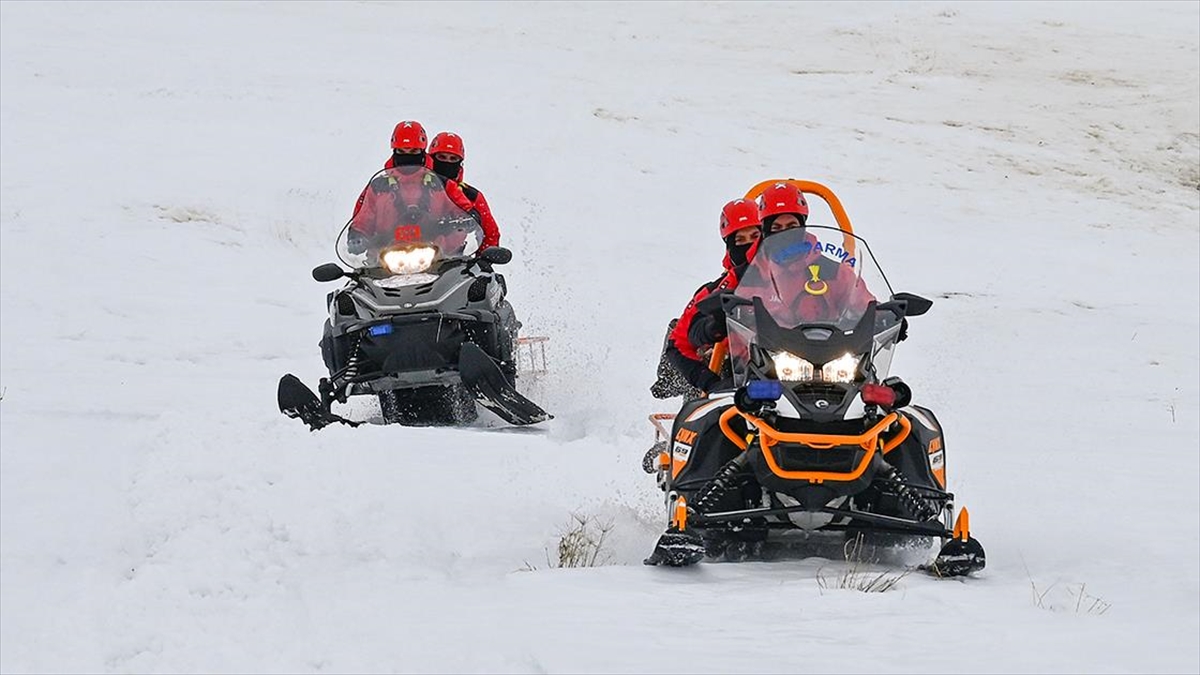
x=791, y=368
x=407, y=260
x=843, y=369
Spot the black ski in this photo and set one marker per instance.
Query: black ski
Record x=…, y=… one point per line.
x=492, y=389
x=676, y=549
x=296, y=400
x=958, y=558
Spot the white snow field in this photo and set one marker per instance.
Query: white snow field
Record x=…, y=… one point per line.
x=171, y=172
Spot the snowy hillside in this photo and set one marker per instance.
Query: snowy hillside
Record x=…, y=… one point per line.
x=171, y=172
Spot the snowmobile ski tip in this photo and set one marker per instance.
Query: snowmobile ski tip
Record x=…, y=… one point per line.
x=492, y=389
x=677, y=549
x=296, y=400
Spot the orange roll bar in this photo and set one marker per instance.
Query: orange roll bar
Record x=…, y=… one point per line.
x=812, y=188
x=728, y=430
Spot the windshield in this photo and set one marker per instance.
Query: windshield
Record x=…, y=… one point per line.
x=413, y=210
x=817, y=279
x=814, y=274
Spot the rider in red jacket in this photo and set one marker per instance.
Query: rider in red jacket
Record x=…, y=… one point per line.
x=408, y=149
x=446, y=154
x=740, y=227
x=783, y=207
x=379, y=216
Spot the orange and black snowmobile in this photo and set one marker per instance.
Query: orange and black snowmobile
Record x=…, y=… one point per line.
x=813, y=434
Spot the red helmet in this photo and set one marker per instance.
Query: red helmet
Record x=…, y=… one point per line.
x=782, y=198
x=447, y=141
x=408, y=135
x=739, y=214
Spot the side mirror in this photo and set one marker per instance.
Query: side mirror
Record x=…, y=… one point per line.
x=328, y=272
x=496, y=255
x=914, y=305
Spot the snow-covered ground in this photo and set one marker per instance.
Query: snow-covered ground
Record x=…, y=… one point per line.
x=170, y=173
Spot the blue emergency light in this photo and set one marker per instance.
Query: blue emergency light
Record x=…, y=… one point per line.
x=764, y=390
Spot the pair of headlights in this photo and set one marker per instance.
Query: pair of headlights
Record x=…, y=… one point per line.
x=792, y=368
x=407, y=260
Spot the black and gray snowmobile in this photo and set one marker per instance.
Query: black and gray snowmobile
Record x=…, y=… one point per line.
x=422, y=322
x=813, y=435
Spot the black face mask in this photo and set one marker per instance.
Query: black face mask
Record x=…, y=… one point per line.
x=737, y=254
x=447, y=169
x=402, y=159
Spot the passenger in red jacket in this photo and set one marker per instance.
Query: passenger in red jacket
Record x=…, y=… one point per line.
x=446, y=153
x=694, y=334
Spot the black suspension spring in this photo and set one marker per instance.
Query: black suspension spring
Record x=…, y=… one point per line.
x=351, y=370
x=721, y=483
x=339, y=382
x=916, y=505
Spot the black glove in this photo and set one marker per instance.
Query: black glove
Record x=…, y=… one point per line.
x=707, y=381
x=356, y=242
x=708, y=329
x=711, y=304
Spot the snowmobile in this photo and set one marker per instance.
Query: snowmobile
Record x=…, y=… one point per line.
x=813, y=435
x=423, y=322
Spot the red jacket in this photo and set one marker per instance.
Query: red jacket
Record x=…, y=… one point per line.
x=479, y=205
x=726, y=282
x=682, y=349
x=382, y=205
x=679, y=335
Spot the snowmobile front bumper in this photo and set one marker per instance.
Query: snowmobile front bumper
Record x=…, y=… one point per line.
x=960, y=554
x=414, y=379
x=839, y=462
x=408, y=351
x=874, y=522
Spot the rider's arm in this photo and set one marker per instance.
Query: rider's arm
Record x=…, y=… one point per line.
x=363, y=220
x=491, y=231
x=681, y=334
x=695, y=371
x=683, y=353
